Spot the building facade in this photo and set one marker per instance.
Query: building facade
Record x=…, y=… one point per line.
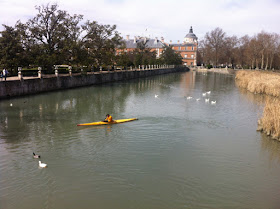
x=187, y=49
x=152, y=44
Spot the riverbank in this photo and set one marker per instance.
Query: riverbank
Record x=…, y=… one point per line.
x=215, y=70
x=33, y=85
x=268, y=83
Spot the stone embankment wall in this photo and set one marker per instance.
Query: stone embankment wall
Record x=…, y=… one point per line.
x=13, y=88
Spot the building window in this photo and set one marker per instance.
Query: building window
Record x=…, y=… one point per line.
x=186, y=56
x=192, y=56
x=179, y=48
x=192, y=47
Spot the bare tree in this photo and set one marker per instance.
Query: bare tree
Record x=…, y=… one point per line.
x=216, y=39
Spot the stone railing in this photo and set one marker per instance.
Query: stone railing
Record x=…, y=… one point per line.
x=56, y=70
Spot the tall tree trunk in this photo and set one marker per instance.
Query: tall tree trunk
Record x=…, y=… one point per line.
x=271, y=61
x=262, y=60
x=266, y=65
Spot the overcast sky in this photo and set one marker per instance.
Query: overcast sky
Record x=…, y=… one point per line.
x=170, y=19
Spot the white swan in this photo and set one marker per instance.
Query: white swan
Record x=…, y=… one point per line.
x=208, y=92
x=189, y=97
x=213, y=102
x=42, y=165
x=204, y=94
x=206, y=100
x=11, y=104
x=197, y=99
x=156, y=96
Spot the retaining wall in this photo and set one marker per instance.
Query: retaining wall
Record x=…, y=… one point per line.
x=13, y=88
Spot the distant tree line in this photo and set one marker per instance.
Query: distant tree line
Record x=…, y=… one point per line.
x=261, y=51
x=54, y=37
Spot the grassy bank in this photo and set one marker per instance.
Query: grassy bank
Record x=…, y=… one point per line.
x=264, y=83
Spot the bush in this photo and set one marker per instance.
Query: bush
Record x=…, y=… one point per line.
x=209, y=66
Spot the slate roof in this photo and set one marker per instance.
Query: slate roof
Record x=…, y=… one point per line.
x=150, y=43
x=182, y=44
x=191, y=34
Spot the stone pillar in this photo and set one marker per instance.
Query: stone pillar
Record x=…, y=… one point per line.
x=100, y=68
x=40, y=72
x=70, y=70
x=19, y=73
x=56, y=71
x=139, y=67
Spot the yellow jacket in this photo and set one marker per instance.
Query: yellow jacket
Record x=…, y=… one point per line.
x=109, y=119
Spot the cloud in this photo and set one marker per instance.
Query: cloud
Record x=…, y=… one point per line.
x=168, y=18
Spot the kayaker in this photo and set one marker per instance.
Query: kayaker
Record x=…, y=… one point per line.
x=108, y=118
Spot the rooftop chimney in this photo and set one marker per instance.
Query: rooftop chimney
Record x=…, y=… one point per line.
x=178, y=41
x=170, y=41
x=127, y=37
x=162, y=39
x=134, y=39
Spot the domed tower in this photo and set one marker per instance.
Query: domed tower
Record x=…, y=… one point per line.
x=190, y=37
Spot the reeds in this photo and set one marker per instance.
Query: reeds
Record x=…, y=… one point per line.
x=270, y=121
x=259, y=82
x=264, y=83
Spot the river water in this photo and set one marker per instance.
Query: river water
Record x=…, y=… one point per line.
x=181, y=153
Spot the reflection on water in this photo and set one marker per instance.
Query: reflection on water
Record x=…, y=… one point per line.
x=181, y=153
x=271, y=147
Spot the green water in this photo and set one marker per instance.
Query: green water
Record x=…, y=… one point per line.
x=181, y=153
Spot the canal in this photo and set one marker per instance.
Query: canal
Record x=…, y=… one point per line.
x=181, y=153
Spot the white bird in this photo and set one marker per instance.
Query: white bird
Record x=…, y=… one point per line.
x=197, y=99
x=204, y=94
x=206, y=100
x=156, y=96
x=213, y=102
x=42, y=165
x=208, y=92
x=189, y=97
x=11, y=104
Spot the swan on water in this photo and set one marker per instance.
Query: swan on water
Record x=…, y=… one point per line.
x=42, y=165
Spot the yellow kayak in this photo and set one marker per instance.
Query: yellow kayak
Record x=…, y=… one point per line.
x=107, y=123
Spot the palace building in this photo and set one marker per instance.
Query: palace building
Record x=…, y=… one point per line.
x=187, y=49
x=152, y=44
